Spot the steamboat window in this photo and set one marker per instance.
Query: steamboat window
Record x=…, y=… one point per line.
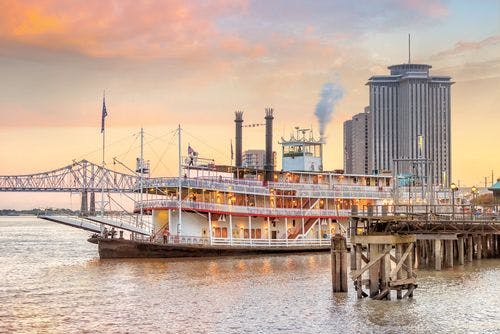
x=220, y=232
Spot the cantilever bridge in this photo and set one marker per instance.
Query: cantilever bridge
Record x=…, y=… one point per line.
x=82, y=176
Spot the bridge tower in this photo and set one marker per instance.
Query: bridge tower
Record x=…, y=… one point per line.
x=92, y=204
x=84, y=211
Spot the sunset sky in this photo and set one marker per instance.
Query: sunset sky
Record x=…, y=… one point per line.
x=162, y=63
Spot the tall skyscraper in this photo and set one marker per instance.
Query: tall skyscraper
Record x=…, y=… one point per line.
x=410, y=112
x=357, y=144
x=256, y=158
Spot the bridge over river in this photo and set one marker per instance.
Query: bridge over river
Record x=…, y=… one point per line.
x=86, y=178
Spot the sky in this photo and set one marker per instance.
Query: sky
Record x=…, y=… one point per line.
x=164, y=63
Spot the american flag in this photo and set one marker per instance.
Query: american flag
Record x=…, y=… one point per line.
x=104, y=113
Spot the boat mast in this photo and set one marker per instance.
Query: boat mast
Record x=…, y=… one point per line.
x=103, y=131
x=141, y=173
x=179, y=190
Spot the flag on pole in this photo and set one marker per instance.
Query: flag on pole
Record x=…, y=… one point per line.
x=104, y=113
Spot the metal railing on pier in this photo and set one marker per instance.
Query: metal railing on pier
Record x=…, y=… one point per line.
x=431, y=212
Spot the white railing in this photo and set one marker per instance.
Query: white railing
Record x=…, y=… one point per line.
x=193, y=240
x=270, y=242
x=256, y=187
x=130, y=219
x=251, y=210
x=173, y=239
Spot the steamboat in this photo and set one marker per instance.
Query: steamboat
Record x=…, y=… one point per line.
x=247, y=207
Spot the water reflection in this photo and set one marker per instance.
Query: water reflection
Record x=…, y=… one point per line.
x=54, y=282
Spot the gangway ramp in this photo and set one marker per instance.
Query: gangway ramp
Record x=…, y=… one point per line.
x=118, y=224
x=77, y=222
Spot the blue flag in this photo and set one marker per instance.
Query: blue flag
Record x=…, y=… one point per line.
x=104, y=113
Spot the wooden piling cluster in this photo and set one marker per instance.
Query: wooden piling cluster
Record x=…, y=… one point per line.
x=385, y=249
x=384, y=264
x=440, y=251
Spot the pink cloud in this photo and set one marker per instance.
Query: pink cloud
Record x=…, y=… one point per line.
x=238, y=45
x=431, y=8
x=127, y=28
x=464, y=46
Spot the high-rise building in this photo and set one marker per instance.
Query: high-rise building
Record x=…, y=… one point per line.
x=410, y=111
x=256, y=158
x=348, y=146
x=357, y=144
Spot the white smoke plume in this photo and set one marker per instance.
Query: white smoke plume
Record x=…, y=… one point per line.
x=330, y=94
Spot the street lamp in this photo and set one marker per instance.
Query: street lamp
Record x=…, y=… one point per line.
x=474, y=192
x=453, y=188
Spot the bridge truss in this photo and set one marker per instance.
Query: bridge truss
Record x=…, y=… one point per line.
x=82, y=176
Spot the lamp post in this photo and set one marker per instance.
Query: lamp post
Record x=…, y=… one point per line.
x=453, y=188
x=474, y=192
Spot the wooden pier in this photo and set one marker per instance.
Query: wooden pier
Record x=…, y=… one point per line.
x=386, y=248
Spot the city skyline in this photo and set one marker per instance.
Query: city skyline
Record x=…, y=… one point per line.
x=196, y=63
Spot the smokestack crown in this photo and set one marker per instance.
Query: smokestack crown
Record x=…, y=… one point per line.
x=269, y=113
x=238, y=116
x=269, y=144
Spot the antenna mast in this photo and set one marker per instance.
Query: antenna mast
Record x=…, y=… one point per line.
x=141, y=174
x=409, y=49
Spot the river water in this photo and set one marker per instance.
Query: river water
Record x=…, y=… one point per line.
x=52, y=280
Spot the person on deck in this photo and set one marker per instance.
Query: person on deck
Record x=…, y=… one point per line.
x=165, y=235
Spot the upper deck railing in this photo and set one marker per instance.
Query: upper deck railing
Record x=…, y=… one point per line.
x=257, y=187
x=240, y=209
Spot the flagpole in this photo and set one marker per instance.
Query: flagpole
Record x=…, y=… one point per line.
x=103, y=131
x=179, y=223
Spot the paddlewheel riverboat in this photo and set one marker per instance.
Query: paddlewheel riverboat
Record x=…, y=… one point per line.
x=211, y=209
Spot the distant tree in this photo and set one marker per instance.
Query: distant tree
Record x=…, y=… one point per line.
x=485, y=199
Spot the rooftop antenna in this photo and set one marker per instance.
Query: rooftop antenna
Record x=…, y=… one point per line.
x=409, y=49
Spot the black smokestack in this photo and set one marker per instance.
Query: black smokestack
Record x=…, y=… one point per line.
x=238, y=121
x=269, y=167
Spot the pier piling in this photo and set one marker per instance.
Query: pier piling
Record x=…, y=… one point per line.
x=438, y=254
x=382, y=271
x=339, y=263
x=479, y=247
x=460, y=250
x=470, y=248
x=449, y=253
